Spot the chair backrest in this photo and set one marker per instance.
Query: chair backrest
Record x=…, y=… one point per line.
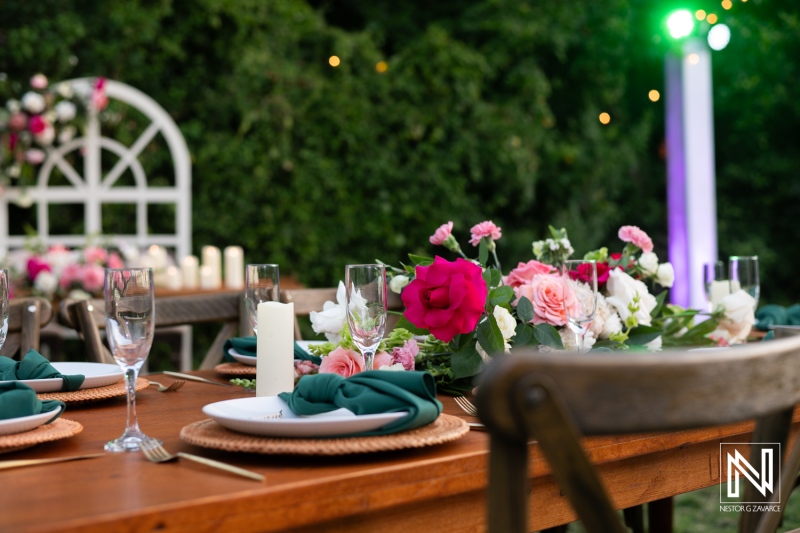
x=558, y=397
x=87, y=317
x=26, y=318
x=89, y=178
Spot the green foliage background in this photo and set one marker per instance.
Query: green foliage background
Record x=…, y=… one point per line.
x=488, y=110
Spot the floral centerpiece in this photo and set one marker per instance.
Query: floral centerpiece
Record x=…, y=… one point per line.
x=43, y=117
x=460, y=313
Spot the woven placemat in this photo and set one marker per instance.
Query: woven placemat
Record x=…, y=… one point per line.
x=235, y=369
x=77, y=397
x=60, y=429
x=209, y=434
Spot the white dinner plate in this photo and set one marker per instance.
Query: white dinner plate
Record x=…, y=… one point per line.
x=251, y=359
x=25, y=423
x=96, y=375
x=250, y=415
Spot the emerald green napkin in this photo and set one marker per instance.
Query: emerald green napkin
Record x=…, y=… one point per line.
x=17, y=399
x=34, y=366
x=247, y=346
x=370, y=392
x=777, y=315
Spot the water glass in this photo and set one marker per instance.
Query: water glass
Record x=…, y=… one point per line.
x=366, y=307
x=262, y=284
x=130, y=322
x=579, y=311
x=3, y=306
x=716, y=283
x=743, y=271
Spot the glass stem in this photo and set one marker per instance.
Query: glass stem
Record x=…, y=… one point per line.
x=130, y=380
x=580, y=341
x=369, y=357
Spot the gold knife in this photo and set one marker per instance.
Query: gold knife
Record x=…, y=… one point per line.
x=196, y=378
x=29, y=462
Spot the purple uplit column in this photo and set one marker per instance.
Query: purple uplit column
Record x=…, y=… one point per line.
x=691, y=194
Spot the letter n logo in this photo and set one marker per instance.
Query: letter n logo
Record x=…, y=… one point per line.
x=734, y=467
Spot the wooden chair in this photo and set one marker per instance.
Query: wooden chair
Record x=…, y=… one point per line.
x=87, y=317
x=558, y=397
x=26, y=318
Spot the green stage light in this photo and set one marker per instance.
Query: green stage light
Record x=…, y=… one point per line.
x=680, y=24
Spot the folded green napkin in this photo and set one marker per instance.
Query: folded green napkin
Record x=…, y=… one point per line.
x=777, y=315
x=34, y=366
x=370, y=392
x=247, y=346
x=17, y=399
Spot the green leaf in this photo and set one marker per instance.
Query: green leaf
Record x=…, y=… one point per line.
x=548, y=335
x=659, y=304
x=405, y=324
x=483, y=252
x=523, y=334
x=466, y=362
x=492, y=277
x=490, y=337
x=524, y=310
x=641, y=335
x=501, y=296
x=420, y=260
x=702, y=329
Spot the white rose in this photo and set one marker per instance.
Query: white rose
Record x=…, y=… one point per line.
x=655, y=344
x=65, y=111
x=397, y=367
x=570, y=342
x=665, y=276
x=45, y=282
x=505, y=322
x=397, y=283
x=738, y=318
x=33, y=102
x=330, y=320
x=649, y=263
x=606, y=320
x=630, y=298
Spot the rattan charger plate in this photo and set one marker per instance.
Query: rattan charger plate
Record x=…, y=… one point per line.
x=235, y=369
x=60, y=429
x=77, y=397
x=209, y=434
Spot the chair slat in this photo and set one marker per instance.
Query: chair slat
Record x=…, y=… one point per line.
x=26, y=318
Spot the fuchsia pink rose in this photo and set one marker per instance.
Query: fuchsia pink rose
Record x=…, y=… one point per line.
x=634, y=235
x=36, y=265
x=525, y=272
x=99, y=97
x=92, y=277
x=441, y=234
x=37, y=124
x=342, y=361
x=446, y=298
x=484, y=229
x=405, y=354
x=547, y=294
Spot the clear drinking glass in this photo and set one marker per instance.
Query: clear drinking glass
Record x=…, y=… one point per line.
x=366, y=307
x=3, y=306
x=262, y=284
x=130, y=320
x=580, y=310
x=716, y=283
x=743, y=271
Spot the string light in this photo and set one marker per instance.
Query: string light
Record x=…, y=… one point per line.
x=334, y=61
x=693, y=59
x=382, y=66
x=654, y=95
x=711, y=18
x=700, y=14
x=605, y=118
x=727, y=4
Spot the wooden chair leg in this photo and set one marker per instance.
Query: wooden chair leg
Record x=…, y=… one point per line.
x=660, y=515
x=556, y=529
x=634, y=518
x=508, y=477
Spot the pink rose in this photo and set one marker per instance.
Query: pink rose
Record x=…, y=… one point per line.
x=484, y=229
x=71, y=274
x=34, y=156
x=36, y=265
x=381, y=359
x=92, y=277
x=99, y=98
x=525, y=272
x=304, y=368
x=447, y=298
x=342, y=361
x=115, y=261
x=441, y=234
x=95, y=254
x=37, y=124
x=405, y=355
x=39, y=81
x=547, y=294
x=18, y=121
x=636, y=236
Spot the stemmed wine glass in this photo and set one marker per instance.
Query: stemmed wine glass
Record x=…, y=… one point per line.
x=130, y=320
x=262, y=284
x=579, y=311
x=3, y=306
x=743, y=271
x=366, y=307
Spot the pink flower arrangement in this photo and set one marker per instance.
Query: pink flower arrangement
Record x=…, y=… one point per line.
x=342, y=361
x=525, y=272
x=484, y=229
x=637, y=237
x=549, y=297
x=405, y=354
x=441, y=234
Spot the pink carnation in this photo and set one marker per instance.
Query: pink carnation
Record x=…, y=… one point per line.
x=71, y=274
x=525, y=272
x=115, y=261
x=95, y=254
x=304, y=368
x=92, y=277
x=405, y=355
x=484, y=229
x=547, y=294
x=39, y=81
x=36, y=265
x=342, y=361
x=636, y=236
x=381, y=359
x=441, y=234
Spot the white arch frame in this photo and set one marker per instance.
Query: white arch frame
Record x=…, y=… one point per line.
x=93, y=189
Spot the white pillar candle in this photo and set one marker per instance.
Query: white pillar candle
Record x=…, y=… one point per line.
x=234, y=267
x=158, y=255
x=172, y=278
x=212, y=258
x=208, y=280
x=275, y=349
x=719, y=290
x=189, y=272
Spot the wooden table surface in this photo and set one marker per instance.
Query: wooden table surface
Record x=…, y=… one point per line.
x=440, y=488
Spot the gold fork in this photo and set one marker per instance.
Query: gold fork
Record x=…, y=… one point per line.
x=466, y=405
x=175, y=385
x=156, y=453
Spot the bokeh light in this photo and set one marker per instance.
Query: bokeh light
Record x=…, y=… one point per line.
x=693, y=59
x=382, y=66
x=711, y=18
x=680, y=24
x=654, y=95
x=605, y=118
x=334, y=61
x=727, y=4
x=719, y=36
x=700, y=14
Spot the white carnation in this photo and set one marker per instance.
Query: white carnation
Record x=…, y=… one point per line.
x=45, y=282
x=665, y=276
x=630, y=298
x=330, y=320
x=648, y=262
x=397, y=283
x=33, y=102
x=570, y=341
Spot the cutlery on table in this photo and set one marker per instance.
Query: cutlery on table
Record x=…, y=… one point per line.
x=30, y=462
x=195, y=378
x=156, y=453
x=466, y=405
x=175, y=385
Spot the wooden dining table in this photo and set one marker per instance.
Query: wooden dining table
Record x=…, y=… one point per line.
x=440, y=488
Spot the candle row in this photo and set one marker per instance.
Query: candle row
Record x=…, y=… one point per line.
x=194, y=273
